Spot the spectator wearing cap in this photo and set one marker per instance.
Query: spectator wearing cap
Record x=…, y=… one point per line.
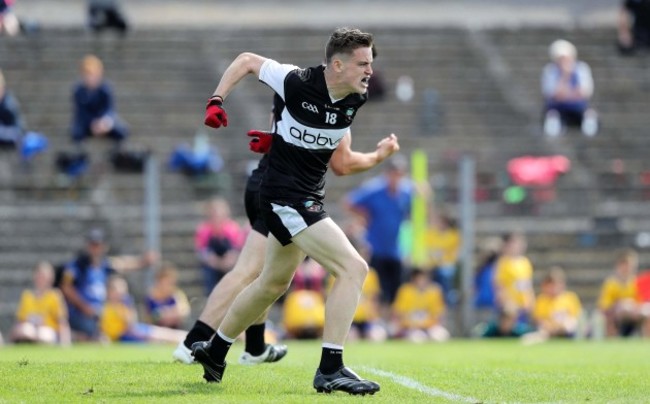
x=567, y=87
x=85, y=279
x=382, y=204
x=93, y=102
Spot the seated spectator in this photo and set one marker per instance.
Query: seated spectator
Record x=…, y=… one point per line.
x=83, y=282
x=42, y=316
x=567, y=86
x=166, y=304
x=106, y=14
x=11, y=126
x=557, y=310
x=303, y=311
x=619, y=298
x=119, y=321
x=9, y=23
x=93, y=104
x=443, y=246
x=418, y=310
x=513, y=279
x=633, y=26
x=484, y=294
x=217, y=242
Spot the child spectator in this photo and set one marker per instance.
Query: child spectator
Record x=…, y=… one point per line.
x=11, y=126
x=303, y=314
x=513, y=279
x=443, y=244
x=42, y=316
x=8, y=21
x=93, y=104
x=567, y=86
x=484, y=295
x=619, y=299
x=217, y=242
x=556, y=311
x=166, y=304
x=418, y=310
x=119, y=321
x=633, y=26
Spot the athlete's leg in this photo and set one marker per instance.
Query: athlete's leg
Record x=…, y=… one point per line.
x=279, y=268
x=246, y=270
x=326, y=243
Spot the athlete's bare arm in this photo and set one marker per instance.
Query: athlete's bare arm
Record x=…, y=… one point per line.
x=346, y=161
x=244, y=64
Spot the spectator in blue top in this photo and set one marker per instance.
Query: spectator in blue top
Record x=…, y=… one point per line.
x=94, y=110
x=85, y=279
x=11, y=126
x=384, y=203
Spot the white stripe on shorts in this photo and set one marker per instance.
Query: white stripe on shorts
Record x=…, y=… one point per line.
x=290, y=218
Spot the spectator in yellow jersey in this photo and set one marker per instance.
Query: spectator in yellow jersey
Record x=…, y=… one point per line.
x=557, y=310
x=619, y=299
x=513, y=279
x=42, y=316
x=418, y=310
x=119, y=322
x=443, y=244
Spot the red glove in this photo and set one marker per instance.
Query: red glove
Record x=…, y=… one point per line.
x=261, y=142
x=215, y=115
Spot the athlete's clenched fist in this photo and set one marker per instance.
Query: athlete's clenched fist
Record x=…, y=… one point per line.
x=215, y=115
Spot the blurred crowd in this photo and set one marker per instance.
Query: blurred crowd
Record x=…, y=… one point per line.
x=88, y=298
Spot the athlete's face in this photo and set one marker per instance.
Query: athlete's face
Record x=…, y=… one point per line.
x=357, y=69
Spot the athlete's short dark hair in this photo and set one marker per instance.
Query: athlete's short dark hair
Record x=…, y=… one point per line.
x=347, y=40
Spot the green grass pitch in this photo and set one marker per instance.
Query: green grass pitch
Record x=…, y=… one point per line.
x=459, y=371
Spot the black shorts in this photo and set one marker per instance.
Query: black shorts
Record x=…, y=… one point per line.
x=286, y=219
x=252, y=206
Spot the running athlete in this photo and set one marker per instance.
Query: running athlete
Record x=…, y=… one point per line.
x=317, y=109
x=344, y=161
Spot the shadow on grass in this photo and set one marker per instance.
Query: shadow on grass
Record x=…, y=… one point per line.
x=179, y=390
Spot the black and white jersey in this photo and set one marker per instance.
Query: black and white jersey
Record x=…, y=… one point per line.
x=309, y=125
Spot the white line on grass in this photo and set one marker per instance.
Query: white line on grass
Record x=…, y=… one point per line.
x=415, y=385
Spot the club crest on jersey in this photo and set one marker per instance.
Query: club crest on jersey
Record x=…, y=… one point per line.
x=304, y=74
x=349, y=114
x=312, y=206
